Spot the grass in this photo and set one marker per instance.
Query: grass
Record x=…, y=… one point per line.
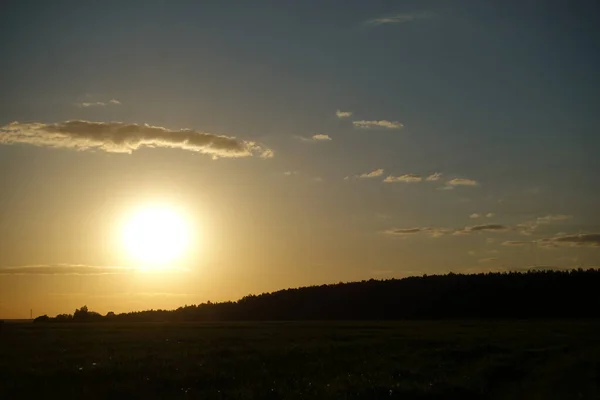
x=404, y=360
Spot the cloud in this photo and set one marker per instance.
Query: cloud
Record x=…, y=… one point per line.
x=407, y=178
x=119, y=137
x=87, y=104
x=487, y=228
x=373, y=174
x=343, y=114
x=515, y=243
x=367, y=175
x=462, y=182
x=405, y=231
x=320, y=136
x=551, y=218
x=377, y=124
x=64, y=269
x=477, y=215
x=398, y=18
x=579, y=240
x=290, y=173
x=431, y=231
x=486, y=260
x=434, y=177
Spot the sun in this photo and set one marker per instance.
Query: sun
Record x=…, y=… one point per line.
x=156, y=235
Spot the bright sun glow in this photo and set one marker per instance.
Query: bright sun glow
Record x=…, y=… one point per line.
x=156, y=235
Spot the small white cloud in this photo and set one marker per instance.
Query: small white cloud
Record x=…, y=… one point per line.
x=462, y=182
x=377, y=124
x=489, y=215
x=320, y=137
x=434, y=177
x=373, y=174
x=487, y=260
x=474, y=215
x=290, y=173
x=86, y=104
x=406, y=178
x=343, y=114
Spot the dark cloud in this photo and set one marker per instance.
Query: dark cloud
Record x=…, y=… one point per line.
x=431, y=231
x=515, y=243
x=119, y=137
x=489, y=227
x=580, y=240
x=64, y=269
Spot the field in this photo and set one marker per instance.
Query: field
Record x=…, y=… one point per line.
x=322, y=360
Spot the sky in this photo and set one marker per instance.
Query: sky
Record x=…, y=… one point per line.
x=301, y=142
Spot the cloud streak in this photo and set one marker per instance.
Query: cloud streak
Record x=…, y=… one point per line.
x=88, y=104
x=434, y=177
x=363, y=124
x=64, y=269
x=406, y=178
x=119, y=137
x=398, y=18
x=462, y=182
x=579, y=240
x=343, y=114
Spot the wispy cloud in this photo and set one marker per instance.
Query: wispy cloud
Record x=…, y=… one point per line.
x=406, y=178
x=434, y=177
x=377, y=124
x=87, y=104
x=343, y=114
x=462, y=182
x=579, y=240
x=486, y=228
x=431, y=231
x=367, y=175
x=477, y=215
x=319, y=137
x=119, y=137
x=552, y=218
x=398, y=18
x=373, y=174
x=515, y=243
x=64, y=269
x=486, y=260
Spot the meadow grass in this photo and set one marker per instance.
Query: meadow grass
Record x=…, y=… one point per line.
x=294, y=360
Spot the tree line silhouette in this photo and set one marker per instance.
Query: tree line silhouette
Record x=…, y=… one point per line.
x=532, y=294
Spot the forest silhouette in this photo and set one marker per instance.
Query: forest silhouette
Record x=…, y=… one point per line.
x=509, y=295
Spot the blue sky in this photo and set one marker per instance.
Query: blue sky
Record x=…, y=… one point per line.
x=502, y=95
